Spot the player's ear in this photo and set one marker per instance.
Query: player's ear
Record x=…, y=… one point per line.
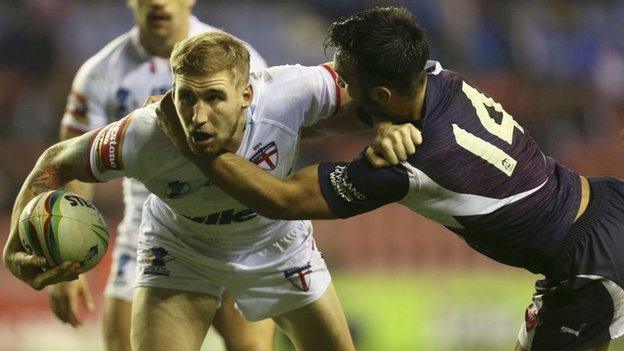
x=247, y=96
x=381, y=95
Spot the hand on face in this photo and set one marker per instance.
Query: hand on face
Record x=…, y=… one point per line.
x=393, y=144
x=169, y=123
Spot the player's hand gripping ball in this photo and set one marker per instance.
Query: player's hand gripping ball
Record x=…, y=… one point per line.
x=62, y=226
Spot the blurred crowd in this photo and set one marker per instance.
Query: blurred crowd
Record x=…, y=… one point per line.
x=557, y=66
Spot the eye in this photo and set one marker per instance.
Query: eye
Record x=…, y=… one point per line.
x=187, y=98
x=213, y=98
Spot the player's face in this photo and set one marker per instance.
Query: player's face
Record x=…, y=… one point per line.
x=161, y=18
x=212, y=110
x=348, y=80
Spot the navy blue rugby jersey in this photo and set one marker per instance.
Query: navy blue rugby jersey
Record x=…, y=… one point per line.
x=477, y=172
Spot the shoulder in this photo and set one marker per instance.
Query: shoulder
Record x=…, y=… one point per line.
x=144, y=123
x=288, y=86
x=445, y=93
x=197, y=27
x=97, y=67
x=284, y=94
x=98, y=63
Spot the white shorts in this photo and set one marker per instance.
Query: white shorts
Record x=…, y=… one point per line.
x=122, y=275
x=265, y=282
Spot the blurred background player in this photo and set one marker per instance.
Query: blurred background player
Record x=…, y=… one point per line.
x=108, y=86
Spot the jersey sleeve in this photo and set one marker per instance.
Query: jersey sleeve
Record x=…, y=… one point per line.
x=297, y=96
x=86, y=104
x=110, y=154
x=357, y=187
x=324, y=94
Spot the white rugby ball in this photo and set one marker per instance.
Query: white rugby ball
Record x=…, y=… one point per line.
x=62, y=226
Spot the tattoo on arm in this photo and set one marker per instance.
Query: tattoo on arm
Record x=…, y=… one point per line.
x=59, y=164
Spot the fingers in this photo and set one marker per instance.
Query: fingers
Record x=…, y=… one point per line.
x=408, y=142
x=64, y=272
x=167, y=106
x=27, y=260
x=152, y=99
x=72, y=315
x=59, y=303
x=392, y=149
x=416, y=135
x=374, y=159
x=87, y=298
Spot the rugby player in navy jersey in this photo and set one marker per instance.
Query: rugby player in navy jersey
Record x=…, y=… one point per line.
x=477, y=172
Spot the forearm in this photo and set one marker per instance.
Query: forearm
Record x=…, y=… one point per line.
x=297, y=197
x=86, y=190
x=59, y=164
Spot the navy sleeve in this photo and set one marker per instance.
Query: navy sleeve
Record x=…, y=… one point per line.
x=358, y=187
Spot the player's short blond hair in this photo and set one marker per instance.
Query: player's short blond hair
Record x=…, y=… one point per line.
x=209, y=53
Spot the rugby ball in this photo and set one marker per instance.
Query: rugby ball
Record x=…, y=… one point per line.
x=62, y=226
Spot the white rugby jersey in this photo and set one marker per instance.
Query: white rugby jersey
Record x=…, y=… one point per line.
x=188, y=203
x=116, y=81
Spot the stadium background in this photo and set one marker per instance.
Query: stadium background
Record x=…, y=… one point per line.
x=405, y=283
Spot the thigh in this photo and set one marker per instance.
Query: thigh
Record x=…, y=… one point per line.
x=320, y=325
x=166, y=319
x=578, y=314
x=116, y=324
x=118, y=300
x=240, y=334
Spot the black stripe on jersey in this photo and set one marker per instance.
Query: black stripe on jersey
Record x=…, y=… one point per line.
x=358, y=187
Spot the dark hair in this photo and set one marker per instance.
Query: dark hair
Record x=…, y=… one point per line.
x=384, y=44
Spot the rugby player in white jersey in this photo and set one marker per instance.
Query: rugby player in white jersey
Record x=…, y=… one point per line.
x=195, y=240
x=108, y=86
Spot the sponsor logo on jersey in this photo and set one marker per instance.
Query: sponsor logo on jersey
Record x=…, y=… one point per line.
x=156, y=260
x=568, y=330
x=176, y=189
x=225, y=217
x=77, y=106
x=342, y=185
x=109, y=145
x=266, y=157
x=300, y=276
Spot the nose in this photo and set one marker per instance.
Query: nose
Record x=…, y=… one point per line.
x=158, y=4
x=201, y=111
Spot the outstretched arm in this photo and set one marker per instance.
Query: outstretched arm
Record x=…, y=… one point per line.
x=58, y=165
x=296, y=197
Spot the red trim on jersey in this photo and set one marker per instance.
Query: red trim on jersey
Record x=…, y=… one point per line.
x=72, y=129
x=91, y=140
x=338, y=96
x=110, y=145
x=77, y=106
